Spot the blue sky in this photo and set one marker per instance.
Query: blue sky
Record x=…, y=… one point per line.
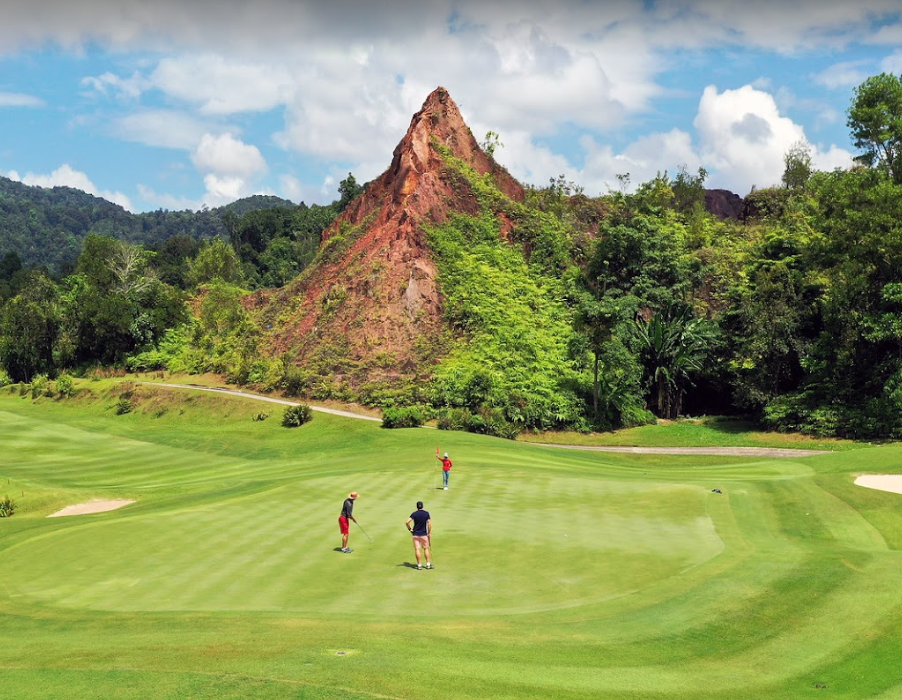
x=178, y=105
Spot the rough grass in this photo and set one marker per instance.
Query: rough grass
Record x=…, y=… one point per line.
x=560, y=574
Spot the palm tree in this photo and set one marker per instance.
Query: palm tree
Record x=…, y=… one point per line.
x=673, y=345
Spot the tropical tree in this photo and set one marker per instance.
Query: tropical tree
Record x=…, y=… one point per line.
x=673, y=345
x=29, y=325
x=797, y=170
x=875, y=118
x=216, y=260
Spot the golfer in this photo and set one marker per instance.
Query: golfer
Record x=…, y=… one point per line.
x=446, y=469
x=347, y=513
x=419, y=524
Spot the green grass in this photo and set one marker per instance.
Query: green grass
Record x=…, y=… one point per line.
x=560, y=573
x=696, y=432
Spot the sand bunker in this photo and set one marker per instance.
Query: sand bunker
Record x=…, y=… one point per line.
x=881, y=482
x=95, y=506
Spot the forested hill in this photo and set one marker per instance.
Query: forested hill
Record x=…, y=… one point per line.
x=45, y=227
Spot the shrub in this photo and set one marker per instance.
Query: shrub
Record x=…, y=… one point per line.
x=124, y=405
x=7, y=507
x=65, y=387
x=485, y=421
x=4, y=378
x=296, y=416
x=453, y=419
x=404, y=417
x=295, y=381
x=40, y=386
x=261, y=416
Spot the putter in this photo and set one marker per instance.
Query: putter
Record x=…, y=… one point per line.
x=363, y=531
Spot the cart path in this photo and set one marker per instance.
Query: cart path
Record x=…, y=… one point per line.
x=258, y=397
x=777, y=452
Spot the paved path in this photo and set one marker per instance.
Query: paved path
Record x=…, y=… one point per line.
x=719, y=451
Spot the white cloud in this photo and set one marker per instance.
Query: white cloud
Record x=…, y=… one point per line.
x=226, y=155
x=529, y=162
x=740, y=139
x=223, y=86
x=66, y=176
x=130, y=88
x=830, y=159
x=230, y=166
x=156, y=200
x=892, y=63
x=743, y=139
x=642, y=160
x=17, y=99
x=843, y=75
x=163, y=128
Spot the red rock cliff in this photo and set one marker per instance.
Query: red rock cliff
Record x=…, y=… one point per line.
x=372, y=303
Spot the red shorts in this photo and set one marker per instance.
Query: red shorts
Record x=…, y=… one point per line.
x=343, y=525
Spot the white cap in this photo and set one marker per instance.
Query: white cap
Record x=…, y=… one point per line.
x=446, y=454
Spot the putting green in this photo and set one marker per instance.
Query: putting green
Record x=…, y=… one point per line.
x=496, y=551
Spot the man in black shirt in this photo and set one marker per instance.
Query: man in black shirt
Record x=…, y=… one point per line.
x=420, y=526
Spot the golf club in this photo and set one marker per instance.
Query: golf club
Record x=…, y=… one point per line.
x=363, y=531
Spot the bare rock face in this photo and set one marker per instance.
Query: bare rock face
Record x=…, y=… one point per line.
x=723, y=204
x=372, y=297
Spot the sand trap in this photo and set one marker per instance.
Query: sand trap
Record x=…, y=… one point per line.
x=881, y=482
x=95, y=506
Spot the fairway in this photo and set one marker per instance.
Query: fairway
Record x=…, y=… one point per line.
x=559, y=573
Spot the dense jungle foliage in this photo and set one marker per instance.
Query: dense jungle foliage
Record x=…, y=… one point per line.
x=567, y=311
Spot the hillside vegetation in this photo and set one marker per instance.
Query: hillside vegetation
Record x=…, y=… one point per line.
x=447, y=289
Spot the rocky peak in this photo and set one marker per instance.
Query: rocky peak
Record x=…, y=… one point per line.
x=376, y=294
x=409, y=188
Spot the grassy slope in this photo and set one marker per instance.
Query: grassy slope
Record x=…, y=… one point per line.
x=696, y=432
x=560, y=574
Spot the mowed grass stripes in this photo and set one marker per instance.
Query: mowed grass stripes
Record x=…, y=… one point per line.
x=276, y=549
x=560, y=574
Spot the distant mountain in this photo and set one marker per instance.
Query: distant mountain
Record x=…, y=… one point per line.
x=46, y=226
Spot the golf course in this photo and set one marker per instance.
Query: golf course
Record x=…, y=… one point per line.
x=560, y=573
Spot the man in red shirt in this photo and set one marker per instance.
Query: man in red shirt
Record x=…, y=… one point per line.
x=446, y=469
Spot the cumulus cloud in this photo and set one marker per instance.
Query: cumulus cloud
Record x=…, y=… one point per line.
x=231, y=167
x=743, y=138
x=224, y=154
x=67, y=176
